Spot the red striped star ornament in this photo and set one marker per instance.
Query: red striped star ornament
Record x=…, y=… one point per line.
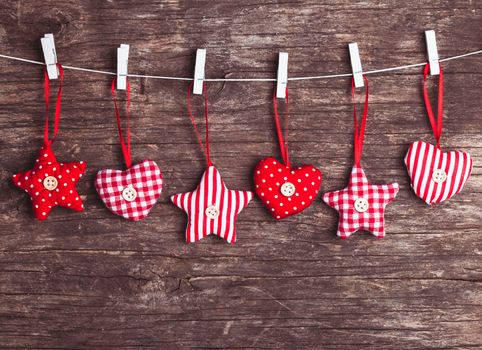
x=212, y=208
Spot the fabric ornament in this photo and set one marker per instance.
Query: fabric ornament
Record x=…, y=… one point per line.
x=435, y=175
x=50, y=183
x=361, y=205
x=131, y=193
x=211, y=208
x=284, y=190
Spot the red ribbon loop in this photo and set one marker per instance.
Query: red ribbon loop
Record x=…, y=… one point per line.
x=58, y=103
x=283, y=141
x=436, y=124
x=359, y=135
x=205, y=149
x=126, y=150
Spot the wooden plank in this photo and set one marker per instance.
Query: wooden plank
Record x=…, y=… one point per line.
x=93, y=280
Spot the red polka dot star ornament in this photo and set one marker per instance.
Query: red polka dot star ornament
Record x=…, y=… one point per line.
x=361, y=205
x=51, y=183
x=285, y=190
x=211, y=208
x=134, y=192
x=435, y=175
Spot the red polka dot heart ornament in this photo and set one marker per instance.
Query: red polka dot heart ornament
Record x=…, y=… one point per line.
x=51, y=183
x=436, y=175
x=285, y=190
x=361, y=205
x=131, y=193
x=211, y=208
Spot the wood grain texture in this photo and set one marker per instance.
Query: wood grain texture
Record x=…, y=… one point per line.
x=96, y=281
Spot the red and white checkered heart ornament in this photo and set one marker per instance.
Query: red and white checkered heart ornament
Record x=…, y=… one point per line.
x=131, y=193
x=283, y=190
x=435, y=175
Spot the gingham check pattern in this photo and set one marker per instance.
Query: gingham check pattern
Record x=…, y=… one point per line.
x=372, y=220
x=423, y=158
x=145, y=178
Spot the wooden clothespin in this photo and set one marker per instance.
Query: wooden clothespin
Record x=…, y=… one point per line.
x=433, y=59
x=356, y=66
x=50, y=55
x=199, y=72
x=122, y=61
x=282, y=80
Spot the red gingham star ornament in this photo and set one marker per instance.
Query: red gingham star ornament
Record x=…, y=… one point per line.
x=436, y=175
x=51, y=183
x=361, y=206
x=211, y=208
x=131, y=193
x=284, y=190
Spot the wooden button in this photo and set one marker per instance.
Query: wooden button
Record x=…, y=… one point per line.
x=361, y=205
x=439, y=176
x=129, y=193
x=212, y=212
x=288, y=189
x=50, y=183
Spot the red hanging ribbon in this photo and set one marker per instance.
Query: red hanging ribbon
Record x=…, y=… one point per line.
x=359, y=135
x=436, y=124
x=283, y=141
x=126, y=150
x=205, y=149
x=58, y=103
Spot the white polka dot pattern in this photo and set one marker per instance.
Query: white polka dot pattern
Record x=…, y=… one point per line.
x=45, y=185
x=285, y=191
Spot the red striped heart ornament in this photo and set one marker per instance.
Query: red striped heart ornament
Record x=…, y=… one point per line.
x=435, y=175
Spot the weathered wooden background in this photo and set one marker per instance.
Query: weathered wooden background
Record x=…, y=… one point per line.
x=94, y=281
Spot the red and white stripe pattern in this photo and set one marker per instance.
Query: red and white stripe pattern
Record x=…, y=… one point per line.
x=212, y=191
x=145, y=178
x=423, y=159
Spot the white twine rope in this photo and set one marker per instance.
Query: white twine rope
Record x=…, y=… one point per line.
x=315, y=77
